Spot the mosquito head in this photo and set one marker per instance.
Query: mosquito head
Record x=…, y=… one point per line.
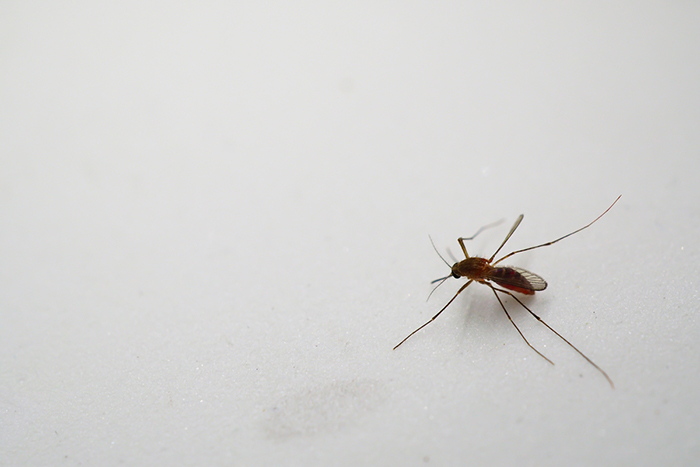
x=454, y=271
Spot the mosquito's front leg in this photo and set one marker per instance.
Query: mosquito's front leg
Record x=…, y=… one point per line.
x=461, y=243
x=461, y=239
x=438, y=313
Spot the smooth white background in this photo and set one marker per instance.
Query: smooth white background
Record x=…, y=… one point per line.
x=214, y=227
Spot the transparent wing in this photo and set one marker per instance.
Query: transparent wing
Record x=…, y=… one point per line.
x=536, y=282
x=517, y=279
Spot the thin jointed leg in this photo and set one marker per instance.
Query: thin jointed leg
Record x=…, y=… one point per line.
x=551, y=329
x=438, y=314
x=516, y=326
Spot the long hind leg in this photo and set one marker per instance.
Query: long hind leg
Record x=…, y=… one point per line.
x=551, y=329
x=548, y=243
x=516, y=326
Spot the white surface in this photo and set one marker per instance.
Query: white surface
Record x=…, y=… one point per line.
x=214, y=227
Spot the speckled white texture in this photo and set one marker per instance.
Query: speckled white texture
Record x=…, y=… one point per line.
x=214, y=227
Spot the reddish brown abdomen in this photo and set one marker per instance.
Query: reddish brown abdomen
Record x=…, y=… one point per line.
x=520, y=281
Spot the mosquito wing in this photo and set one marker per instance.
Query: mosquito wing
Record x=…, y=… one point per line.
x=535, y=281
x=517, y=279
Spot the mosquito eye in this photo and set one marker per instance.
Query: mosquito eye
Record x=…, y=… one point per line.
x=455, y=274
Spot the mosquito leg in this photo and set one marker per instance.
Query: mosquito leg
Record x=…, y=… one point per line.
x=461, y=239
x=512, y=229
x=438, y=314
x=487, y=226
x=516, y=326
x=555, y=332
x=464, y=248
x=553, y=241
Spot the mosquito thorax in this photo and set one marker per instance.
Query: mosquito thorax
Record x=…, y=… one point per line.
x=472, y=267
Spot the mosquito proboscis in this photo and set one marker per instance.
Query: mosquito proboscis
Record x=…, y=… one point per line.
x=485, y=271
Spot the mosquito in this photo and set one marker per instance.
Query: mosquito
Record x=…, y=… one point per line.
x=485, y=271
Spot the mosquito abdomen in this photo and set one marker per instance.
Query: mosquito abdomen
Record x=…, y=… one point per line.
x=513, y=279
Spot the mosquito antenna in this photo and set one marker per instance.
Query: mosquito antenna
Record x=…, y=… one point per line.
x=442, y=281
x=551, y=329
x=512, y=229
x=438, y=314
x=451, y=255
x=553, y=241
x=438, y=253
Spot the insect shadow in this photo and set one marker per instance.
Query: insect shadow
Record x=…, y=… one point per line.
x=485, y=271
